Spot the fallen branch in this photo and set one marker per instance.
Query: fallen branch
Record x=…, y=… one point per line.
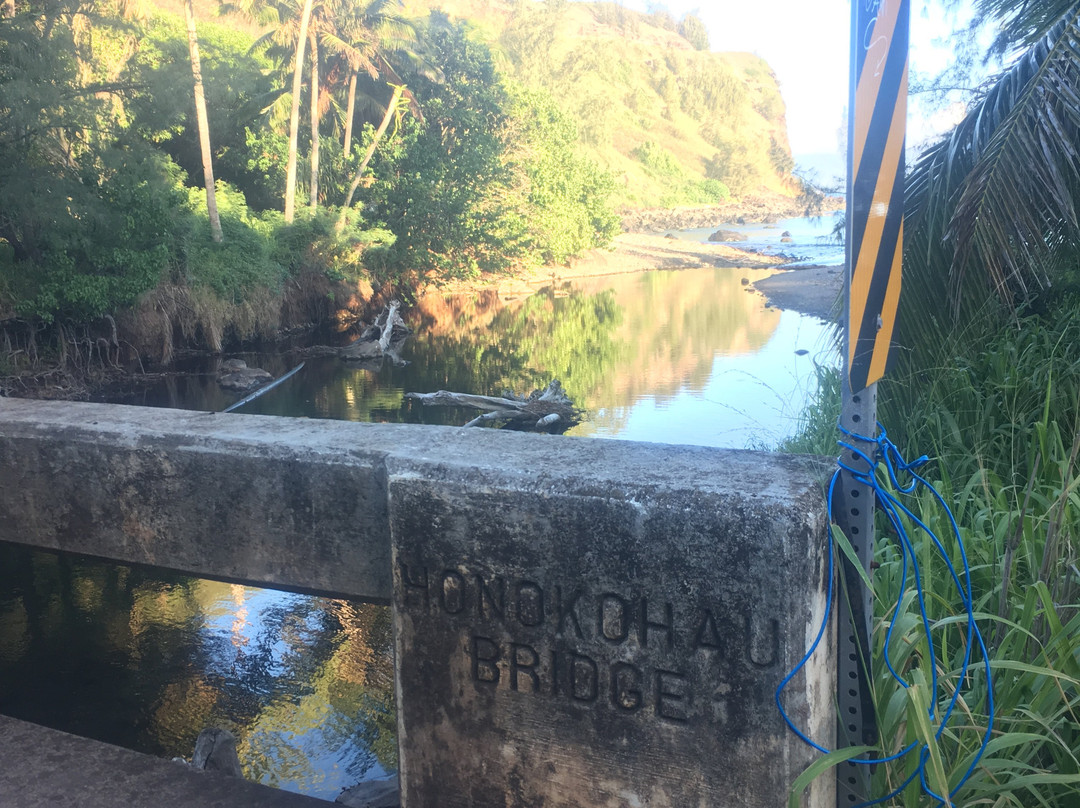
x=382, y=338
x=548, y=410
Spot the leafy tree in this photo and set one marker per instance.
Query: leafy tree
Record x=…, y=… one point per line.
x=782, y=161
x=568, y=193
x=446, y=192
x=88, y=219
x=692, y=29
x=731, y=165
x=237, y=85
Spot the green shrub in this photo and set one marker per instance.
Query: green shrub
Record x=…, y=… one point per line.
x=243, y=261
x=567, y=208
x=108, y=243
x=693, y=30
x=999, y=413
x=658, y=160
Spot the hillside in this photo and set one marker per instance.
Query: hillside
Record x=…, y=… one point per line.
x=670, y=122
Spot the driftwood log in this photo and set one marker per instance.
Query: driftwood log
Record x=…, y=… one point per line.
x=547, y=410
x=382, y=338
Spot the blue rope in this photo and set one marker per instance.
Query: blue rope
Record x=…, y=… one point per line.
x=886, y=454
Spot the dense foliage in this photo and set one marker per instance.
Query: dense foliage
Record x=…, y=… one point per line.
x=100, y=161
x=641, y=84
x=986, y=381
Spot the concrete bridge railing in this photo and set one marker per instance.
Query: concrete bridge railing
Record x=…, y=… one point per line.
x=577, y=622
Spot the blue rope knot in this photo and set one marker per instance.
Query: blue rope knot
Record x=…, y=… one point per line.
x=883, y=452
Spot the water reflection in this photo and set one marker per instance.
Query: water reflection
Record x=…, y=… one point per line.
x=674, y=356
x=146, y=660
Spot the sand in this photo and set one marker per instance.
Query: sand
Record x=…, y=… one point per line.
x=810, y=290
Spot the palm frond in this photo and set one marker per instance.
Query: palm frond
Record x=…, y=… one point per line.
x=1000, y=189
x=1023, y=23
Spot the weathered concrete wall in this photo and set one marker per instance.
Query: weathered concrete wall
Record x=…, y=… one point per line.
x=611, y=636
x=44, y=768
x=578, y=622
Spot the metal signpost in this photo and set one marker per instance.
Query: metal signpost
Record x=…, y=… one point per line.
x=877, y=112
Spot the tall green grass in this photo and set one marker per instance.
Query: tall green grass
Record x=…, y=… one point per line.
x=1000, y=420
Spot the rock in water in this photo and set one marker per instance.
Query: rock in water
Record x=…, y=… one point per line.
x=236, y=375
x=215, y=750
x=727, y=235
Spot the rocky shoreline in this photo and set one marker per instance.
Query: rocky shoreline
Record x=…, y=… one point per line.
x=767, y=208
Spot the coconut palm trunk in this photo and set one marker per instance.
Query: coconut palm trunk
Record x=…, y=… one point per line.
x=391, y=110
x=202, y=122
x=313, y=201
x=294, y=114
x=350, y=113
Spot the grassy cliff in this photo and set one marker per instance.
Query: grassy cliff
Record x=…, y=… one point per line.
x=675, y=125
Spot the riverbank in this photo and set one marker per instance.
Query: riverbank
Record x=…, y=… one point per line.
x=629, y=253
x=813, y=290
x=809, y=290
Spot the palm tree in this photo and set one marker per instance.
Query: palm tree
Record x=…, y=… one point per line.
x=291, y=20
x=313, y=196
x=203, y=124
x=999, y=192
x=365, y=36
x=294, y=113
x=991, y=210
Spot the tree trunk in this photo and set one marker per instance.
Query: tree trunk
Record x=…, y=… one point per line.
x=294, y=114
x=313, y=201
x=203, y=125
x=350, y=113
x=391, y=108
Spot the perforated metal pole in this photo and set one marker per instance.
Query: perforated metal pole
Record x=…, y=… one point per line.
x=853, y=509
x=877, y=115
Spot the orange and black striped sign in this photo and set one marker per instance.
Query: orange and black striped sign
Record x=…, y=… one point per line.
x=875, y=219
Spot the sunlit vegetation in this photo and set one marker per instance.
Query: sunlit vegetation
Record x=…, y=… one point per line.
x=629, y=78
x=985, y=380
x=352, y=146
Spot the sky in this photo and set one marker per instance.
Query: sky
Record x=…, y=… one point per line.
x=807, y=44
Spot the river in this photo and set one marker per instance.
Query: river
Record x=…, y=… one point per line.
x=146, y=660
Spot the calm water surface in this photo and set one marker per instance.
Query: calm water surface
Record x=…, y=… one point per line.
x=140, y=659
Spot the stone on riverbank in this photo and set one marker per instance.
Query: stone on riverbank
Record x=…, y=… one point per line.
x=727, y=235
x=215, y=751
x=236, y=375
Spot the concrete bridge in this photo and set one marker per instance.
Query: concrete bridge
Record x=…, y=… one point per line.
x=577, y=622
